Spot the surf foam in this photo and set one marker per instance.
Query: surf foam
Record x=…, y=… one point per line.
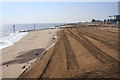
x=11, y=39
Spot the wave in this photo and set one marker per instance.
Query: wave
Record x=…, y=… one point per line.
x=11, y=39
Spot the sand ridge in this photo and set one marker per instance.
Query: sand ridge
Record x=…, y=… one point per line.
x=79, y=53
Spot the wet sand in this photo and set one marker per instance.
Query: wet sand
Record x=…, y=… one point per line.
x=18, y=57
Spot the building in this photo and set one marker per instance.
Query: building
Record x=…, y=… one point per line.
x=112, y=19
x=115, y=18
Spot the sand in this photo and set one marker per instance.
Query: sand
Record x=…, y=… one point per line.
x=18, y=57
x=84, y=52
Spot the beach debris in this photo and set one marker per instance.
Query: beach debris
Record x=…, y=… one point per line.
x=23, y=67
x=36, y=53
x=53, y=37
x=7, y=65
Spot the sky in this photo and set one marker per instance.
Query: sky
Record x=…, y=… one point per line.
x=56, y=12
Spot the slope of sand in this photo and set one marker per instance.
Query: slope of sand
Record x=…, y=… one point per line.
x=18, y=57
x=80, y=53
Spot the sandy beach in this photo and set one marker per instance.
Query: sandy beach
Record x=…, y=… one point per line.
x=70, y=39
x=18, y=57
x=83, y=52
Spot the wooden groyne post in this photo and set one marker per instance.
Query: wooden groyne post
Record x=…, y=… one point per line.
x=34, y=26
x=14, y=28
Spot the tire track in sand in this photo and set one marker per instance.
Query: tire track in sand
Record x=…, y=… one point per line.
x=101, y=39
x=56, y=48
x=96, y=52
x=71, y=59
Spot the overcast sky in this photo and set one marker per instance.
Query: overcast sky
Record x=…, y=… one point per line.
x=56, y=12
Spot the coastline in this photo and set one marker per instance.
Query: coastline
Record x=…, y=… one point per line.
x=18, y=57
x=10, y=39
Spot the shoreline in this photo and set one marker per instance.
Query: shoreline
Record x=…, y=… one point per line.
x=25, y=51
x=11, y=38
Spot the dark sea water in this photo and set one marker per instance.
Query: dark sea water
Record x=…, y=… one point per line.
x=8, y=29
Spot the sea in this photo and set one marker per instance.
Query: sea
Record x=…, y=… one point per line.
x=8, y=37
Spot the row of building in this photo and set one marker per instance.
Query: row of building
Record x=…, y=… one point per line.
x=113, y=19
